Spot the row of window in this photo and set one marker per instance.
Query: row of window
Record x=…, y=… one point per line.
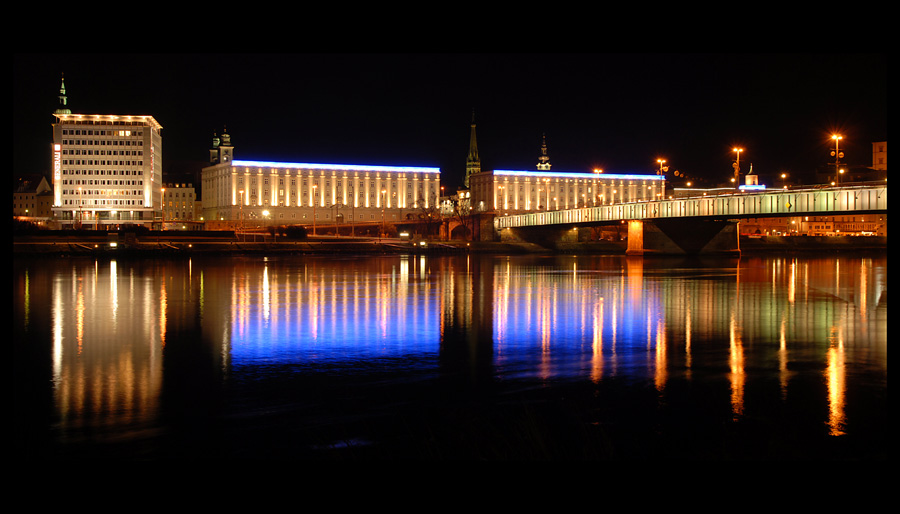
x=105, y=192
x=75, y=182
x=103, y=202
x=91, y=162
x=104, y=132
x=102, y=142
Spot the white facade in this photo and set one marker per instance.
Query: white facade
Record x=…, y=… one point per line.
x=515, y=192
x=107, y=169
x=289, y=193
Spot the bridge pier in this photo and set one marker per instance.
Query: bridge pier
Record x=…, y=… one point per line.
x=676, y=237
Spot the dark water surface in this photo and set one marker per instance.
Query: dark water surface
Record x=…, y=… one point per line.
x=452, y=357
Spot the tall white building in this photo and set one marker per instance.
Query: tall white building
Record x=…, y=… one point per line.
x=107, y=169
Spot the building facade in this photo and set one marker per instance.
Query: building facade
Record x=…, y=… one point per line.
x=33, y=199
x=180, y=202
x=262, y=192
x=106, y=169
x=516, y=192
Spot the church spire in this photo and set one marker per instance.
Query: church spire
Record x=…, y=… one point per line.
x=473, y=163
x=63, y=108
x=544, y=159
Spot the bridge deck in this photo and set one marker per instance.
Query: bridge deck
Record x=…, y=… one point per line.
x=820, y=201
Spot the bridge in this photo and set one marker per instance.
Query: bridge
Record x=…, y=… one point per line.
x=701, y=224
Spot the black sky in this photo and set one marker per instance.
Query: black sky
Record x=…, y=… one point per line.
x=616, y=111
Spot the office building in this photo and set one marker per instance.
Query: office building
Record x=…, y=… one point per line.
x=106, y=169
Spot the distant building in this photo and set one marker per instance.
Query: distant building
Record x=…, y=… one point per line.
x=516, y=192
x=879, y=156
x=106, y=169
x=33, y=198
x=505, y=192
x=263, y=192
x=180, y=202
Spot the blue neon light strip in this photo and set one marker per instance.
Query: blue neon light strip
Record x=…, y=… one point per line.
x=760, y=187
x=337, y=167
x=581, y=175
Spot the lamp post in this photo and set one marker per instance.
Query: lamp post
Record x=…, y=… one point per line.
x=737, y=166
x=241, y=211
x=315, y=201
x=837, y=154
x=662, y=169
x=383, y=192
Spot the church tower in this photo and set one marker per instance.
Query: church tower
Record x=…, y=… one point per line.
x=222, y=151
x=544, y=159
x=473, y=163
x=63, y=108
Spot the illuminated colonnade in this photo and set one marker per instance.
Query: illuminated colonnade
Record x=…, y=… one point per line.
x=509, y=192
x=291, y=192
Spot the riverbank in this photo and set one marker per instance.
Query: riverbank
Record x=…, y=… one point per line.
x=172, y=244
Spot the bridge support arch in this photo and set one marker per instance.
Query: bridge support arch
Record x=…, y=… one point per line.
x=677, y=237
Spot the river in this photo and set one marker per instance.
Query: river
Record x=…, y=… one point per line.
x=463, y=357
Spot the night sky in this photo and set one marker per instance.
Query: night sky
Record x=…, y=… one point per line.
x=619, y=112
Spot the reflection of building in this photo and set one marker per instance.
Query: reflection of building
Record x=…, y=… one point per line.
x=106, y=169
x=302, y=193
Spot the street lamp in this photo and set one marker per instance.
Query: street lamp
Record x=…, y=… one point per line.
x=383, y=192
x=837, y=154
x=315, y=201
x=662, y=169
x=737, y=166
x=241, y=211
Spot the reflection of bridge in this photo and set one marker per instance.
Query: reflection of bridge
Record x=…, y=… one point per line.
x=703, y=224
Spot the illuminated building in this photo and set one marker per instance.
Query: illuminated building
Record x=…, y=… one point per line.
x=106, y=169
x=179, y=202
x=262, y=192
x=515, y=192
x=32, y=198
x=505, y=192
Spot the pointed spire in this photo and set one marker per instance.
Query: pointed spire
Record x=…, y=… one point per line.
x=63, y=108
x=544, y=159
x=473, y=145
x=473, y=162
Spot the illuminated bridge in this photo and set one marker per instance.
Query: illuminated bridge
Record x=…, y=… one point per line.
x=703, y=224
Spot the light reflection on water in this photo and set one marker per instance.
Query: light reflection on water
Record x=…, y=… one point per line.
x=122, y=336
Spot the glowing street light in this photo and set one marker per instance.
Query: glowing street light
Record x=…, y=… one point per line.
x=737, y=166
x=837, y=154
x=662, y=169
x=315, y=201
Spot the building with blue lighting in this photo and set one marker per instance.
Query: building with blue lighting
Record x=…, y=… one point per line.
x=264, y=192
x=515, y=192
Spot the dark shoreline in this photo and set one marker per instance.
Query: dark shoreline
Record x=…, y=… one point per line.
x=173, y=244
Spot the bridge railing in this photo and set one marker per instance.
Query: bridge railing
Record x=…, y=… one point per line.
x=816, y=201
